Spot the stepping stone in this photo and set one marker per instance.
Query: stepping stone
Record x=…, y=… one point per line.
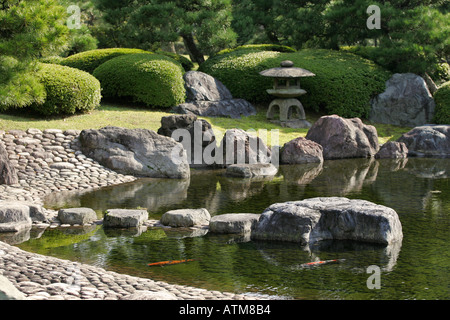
x=239, y=223
x=124, y=218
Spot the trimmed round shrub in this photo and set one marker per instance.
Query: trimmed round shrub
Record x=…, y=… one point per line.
x=185, y=62
x=442, y=109
x=259, y=47
x=68, y=90
x=343, y=85
x=89, y=60
x=152, y=79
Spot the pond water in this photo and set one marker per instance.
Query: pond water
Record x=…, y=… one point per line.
x=417, y=188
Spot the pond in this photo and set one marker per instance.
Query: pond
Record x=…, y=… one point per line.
x=417, y=188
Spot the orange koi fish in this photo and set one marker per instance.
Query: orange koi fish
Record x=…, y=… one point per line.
x=170, y=262
x=320, y=262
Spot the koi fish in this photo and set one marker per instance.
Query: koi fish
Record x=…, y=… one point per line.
x=170, y=262
x=314, y=263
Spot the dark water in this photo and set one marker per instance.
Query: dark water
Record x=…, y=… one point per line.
x=418, y=268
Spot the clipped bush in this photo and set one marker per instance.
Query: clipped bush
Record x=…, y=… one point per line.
x=259, y=47
x=152, y=79
x=89, y=60
x=68, y=90
x=402, y=60
x=442, y=109
x=185, y=62
x=343, y=85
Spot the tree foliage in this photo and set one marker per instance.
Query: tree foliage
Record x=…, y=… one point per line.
x=204, y=26
x=28, y=30
x=414, y=35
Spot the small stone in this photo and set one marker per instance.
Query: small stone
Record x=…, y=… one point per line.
x=52, y=131
x=62, y=165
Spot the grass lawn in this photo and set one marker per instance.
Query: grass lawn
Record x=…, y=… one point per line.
x=129, y=116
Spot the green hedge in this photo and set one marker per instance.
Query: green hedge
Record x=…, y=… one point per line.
x=89, y=60
x=402, y=60
x=152, y=79
x=259, y=47
x=68, y=90
x=185, y=62
x=343, y=85
x=442, y=99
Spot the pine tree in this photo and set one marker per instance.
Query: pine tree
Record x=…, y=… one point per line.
x=28, y=30
x=204, y=26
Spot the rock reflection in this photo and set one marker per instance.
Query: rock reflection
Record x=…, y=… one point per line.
x=301, y=174
x=124, y=232
x=13, y=238
x=238, y=189
x=145, y=193
x=291, y=258
x=342, y=177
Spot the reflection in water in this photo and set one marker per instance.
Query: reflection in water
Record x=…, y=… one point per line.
x=416, y=188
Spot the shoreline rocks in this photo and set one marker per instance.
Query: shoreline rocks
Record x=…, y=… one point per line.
x=344, y=138
x=301, y=150
x=138, y=152
x=392, y=150
x=428, y=141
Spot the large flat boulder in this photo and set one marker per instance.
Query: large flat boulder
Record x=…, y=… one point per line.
x=138, y=152
x=406, y=101
x=339, y=218
x=428, y=141
x=344, y=138
x=233, y=223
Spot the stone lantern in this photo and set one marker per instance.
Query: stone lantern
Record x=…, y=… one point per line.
x=286, y=88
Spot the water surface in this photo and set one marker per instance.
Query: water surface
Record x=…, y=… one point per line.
x=418, y=268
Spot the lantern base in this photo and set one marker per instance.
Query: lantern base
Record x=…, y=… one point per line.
x=286, y=107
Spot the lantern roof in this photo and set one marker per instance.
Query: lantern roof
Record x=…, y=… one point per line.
x=286, y=70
